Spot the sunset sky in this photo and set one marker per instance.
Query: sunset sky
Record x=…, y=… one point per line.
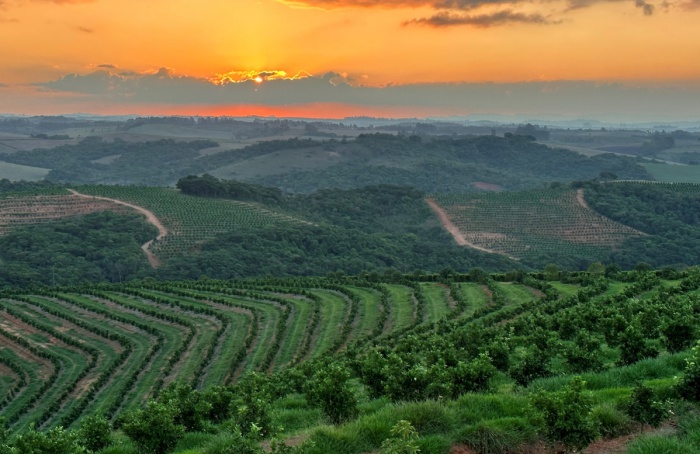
x=598, y=58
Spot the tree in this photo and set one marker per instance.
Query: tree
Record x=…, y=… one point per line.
x=566, y=415
x=95, y=432
x=153, y=428
x=551, y=272
x=330, y=390
x=191, y=409
x=644, y=406
x=55, y=441
x=689, y=385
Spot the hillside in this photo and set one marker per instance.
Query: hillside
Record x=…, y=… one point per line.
x=466, y=360
x=371, y=229
x=430, y=163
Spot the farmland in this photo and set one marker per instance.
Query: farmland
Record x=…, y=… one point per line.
x=525, y=225
x=72, y=352
x=108, y=348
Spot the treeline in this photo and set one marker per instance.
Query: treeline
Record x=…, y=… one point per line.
x=98, y=247
x=209, y=186
x=668, y=213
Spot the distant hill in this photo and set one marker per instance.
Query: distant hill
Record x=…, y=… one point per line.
x=430, y=163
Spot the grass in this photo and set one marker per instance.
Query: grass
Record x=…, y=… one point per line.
x=673, y=173
x=402, y=306
x=17, y=172
x=474, y=295
x=369, y=309
x=436, y=297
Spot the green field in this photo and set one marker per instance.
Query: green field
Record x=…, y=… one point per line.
x=674, y=173
x=17, y=172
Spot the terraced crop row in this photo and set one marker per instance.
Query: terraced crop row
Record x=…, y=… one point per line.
x=25, y=210
x=65, y=353
x=190, y=220
x=530, y=223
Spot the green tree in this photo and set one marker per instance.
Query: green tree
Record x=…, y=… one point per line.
x=95, y=432
x=689, y=385
x=566, y=415
x=153, y=429
x=190, y=406
x=55, y=441
x=329, y=389
x=645, y=407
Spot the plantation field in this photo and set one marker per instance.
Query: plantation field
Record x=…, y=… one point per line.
x=109, y=348
x=190, y=221
x=462, y=361
x=46, y=206
x=674, y=173
x=525, y=225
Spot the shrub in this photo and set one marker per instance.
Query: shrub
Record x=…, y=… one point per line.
x=566, y=415
x=645, y=407
x=329, y=389
x=402, y=441
x=611, y=422
x=95, y=432
x=689, y=385
x=153, y=429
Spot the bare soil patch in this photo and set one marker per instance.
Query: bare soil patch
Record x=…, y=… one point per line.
x=452, y=229
x=487, y=186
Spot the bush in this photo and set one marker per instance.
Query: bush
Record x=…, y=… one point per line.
x=55, y=441
x=689, y=385
x=95, y=432
x=153, y=429
x=566, y=415
x=329, y=389
x=611, y=422
x=402, y=441
x=645, y=407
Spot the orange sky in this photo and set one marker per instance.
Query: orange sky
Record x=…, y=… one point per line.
x=373, y=42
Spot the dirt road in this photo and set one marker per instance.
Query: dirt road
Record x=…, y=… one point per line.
x=454, y=231
x=150, y=217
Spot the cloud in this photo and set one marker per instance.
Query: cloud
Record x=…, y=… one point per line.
x=106, y=66
x=449, y=11
x=647, y=8
x=165, y=87
x=85, y=29
x=481, y=20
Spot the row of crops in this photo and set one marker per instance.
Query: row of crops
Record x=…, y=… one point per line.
x=190, y=220
x=23, y=210
x=105, y=349
x=530, y=223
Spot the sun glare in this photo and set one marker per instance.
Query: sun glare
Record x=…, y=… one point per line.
x=258, y=80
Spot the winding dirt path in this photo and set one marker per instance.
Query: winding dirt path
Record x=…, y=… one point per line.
x=150, y=217
x=454, y=231
x=581, y=199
